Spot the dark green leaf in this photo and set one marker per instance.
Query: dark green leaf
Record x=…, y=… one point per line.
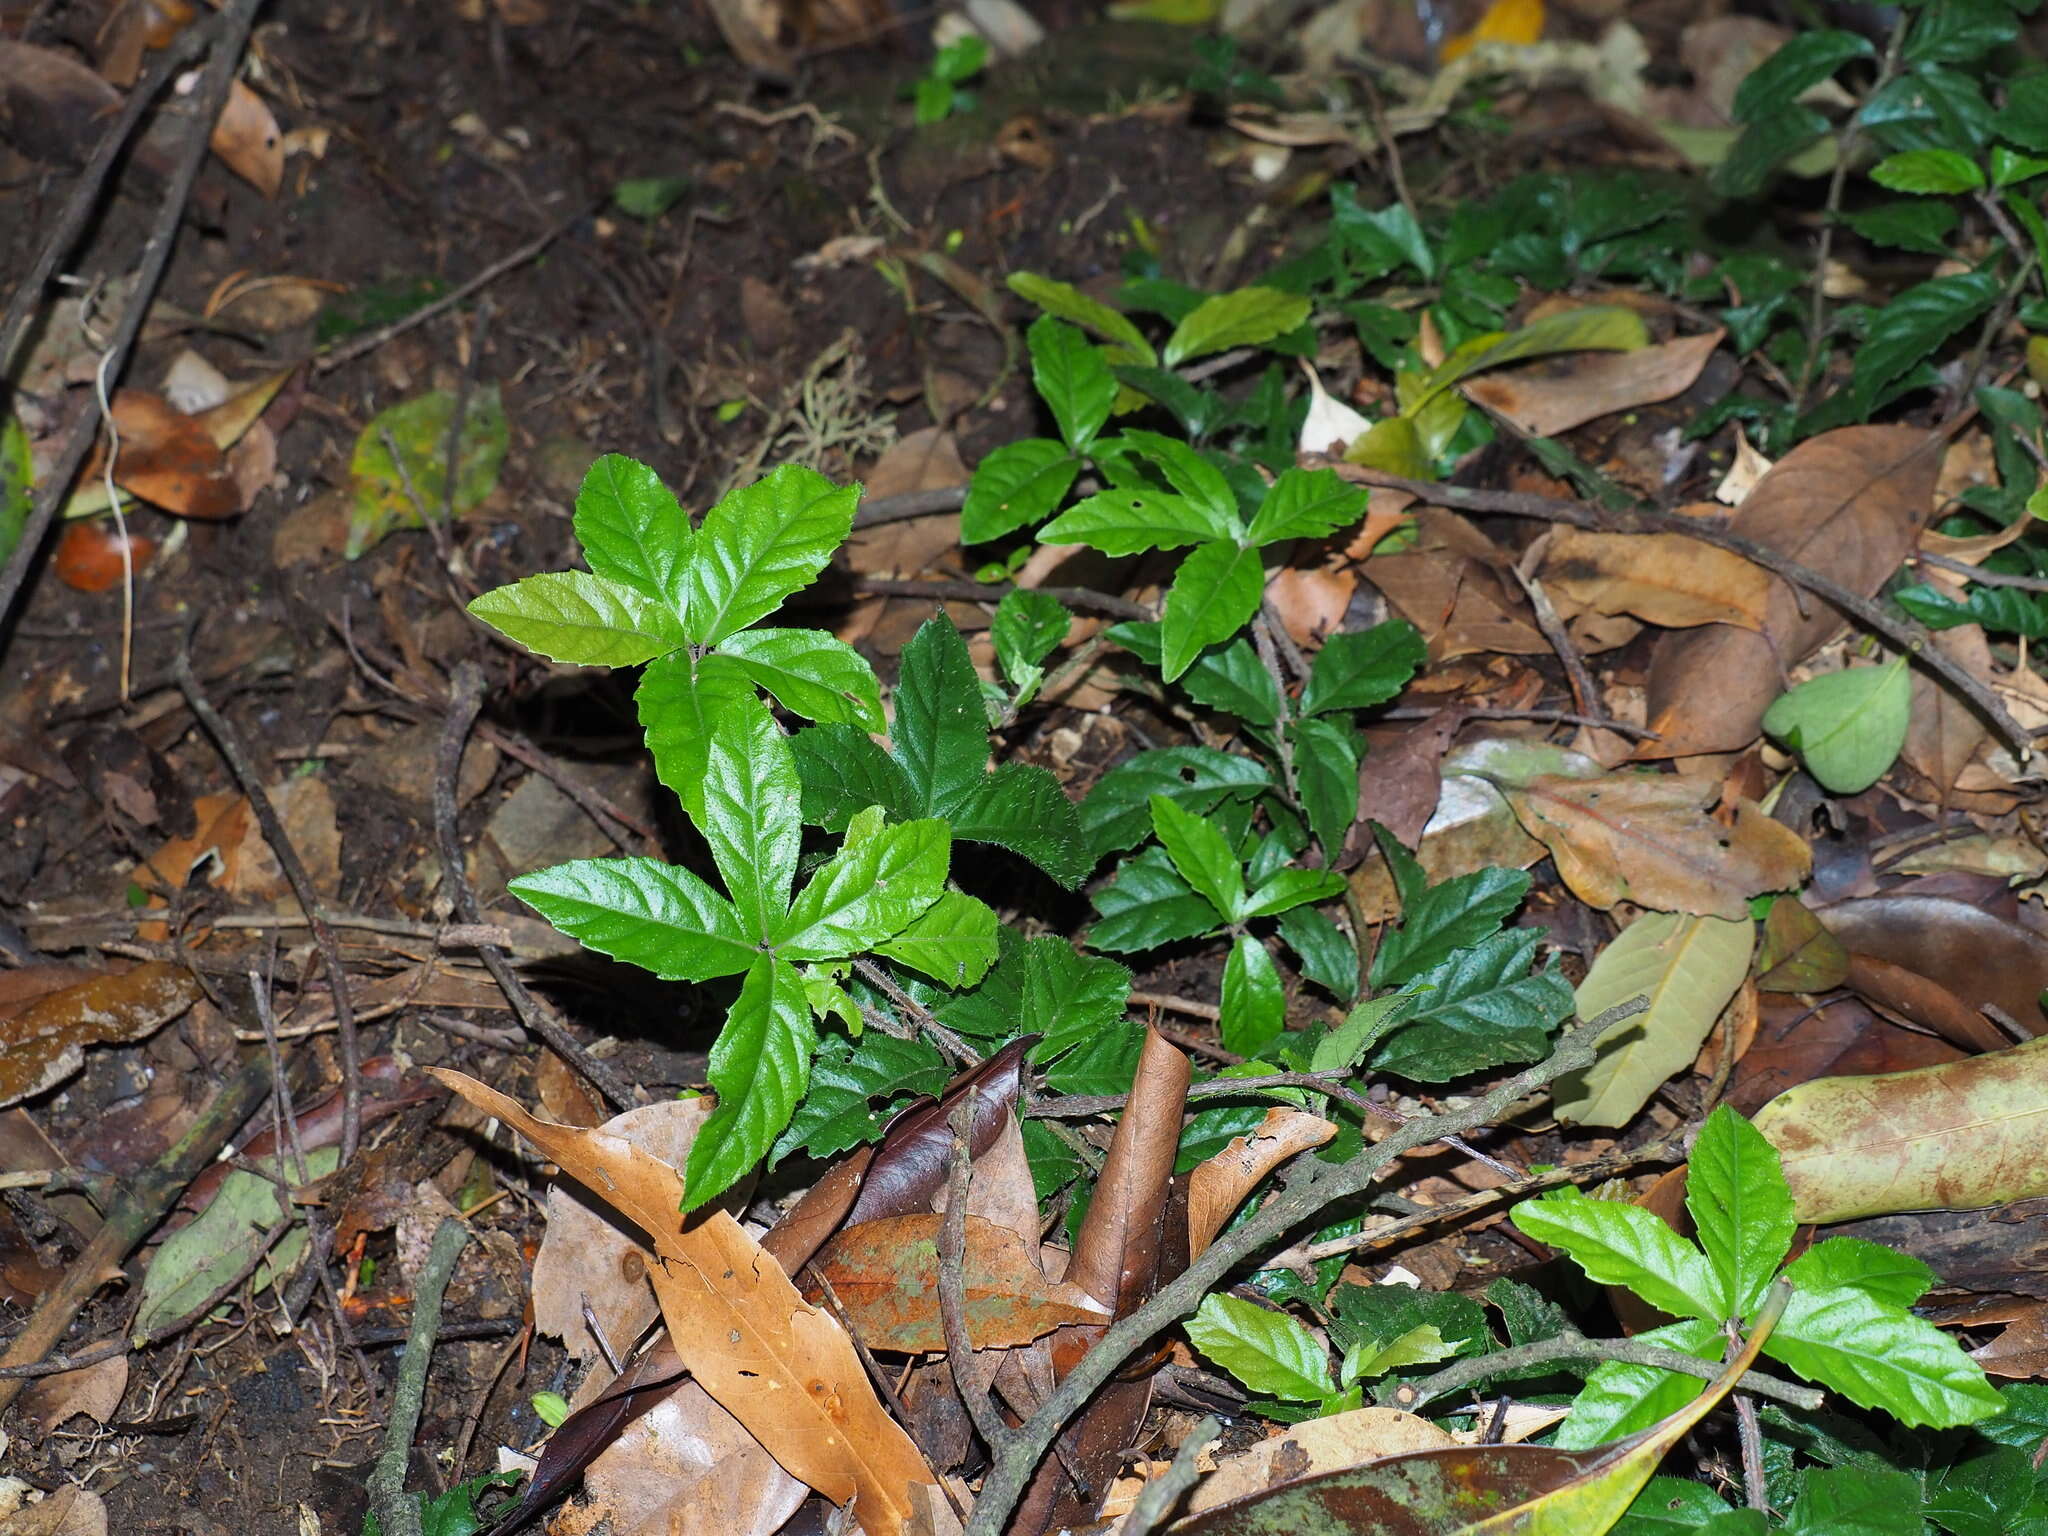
x=848, y=1080
x=650, y=914
x=1199, y=411
x=1797, y=67
x=2024, y=119
x=1118, y=810
x=1226, y=677
x=1042, y=987
x=1766, y=144
x=761, y=543
x=1911, y=328
x=1359, y=669
x=1527, y=1314
x=1445, y=919
x=1028, y=627
x=941, y=726
x=1924, y=226
x=1480, y=1008
x=1072, y=378
x=1326, y=774
x=1214, y=595
x=1021, y=807
x=1328, y=957
x=1960, y=31
x=760, y=1065
x=1194, y=477
x=1147, y=904
x=1382, y=1312
x=1202, y=857
x=1069, y=303
x=1855, y=1501
x=1054, y=1164
x=843, y=772
x=1016, y=484
x=632, y=529
x=2002, y=610
x=1130, y=519
x=1668, y=1506
x=1254, y=1007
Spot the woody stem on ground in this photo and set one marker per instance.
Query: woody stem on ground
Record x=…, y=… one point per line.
x=1310, y=1187
x=396, y=1514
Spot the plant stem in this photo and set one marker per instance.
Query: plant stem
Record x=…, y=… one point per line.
x=397, y=1514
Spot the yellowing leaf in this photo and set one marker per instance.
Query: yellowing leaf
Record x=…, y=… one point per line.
x=1688, y=967
x=1505, y=21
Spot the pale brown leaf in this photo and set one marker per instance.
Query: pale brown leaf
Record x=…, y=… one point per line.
x=1661, y=578
x=1219, y=1185
x=1553, y=395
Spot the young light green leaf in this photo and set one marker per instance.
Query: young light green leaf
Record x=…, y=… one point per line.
x=1880, y=1356
x=1620, y=1397
x=811, y=673
x=761, y=543
x=1361, y=668
x=578, y=617
x=1482, y=1007
x=1250, y=317
x=1193, y=476
x=1118, y=811
x=1688, y=967
x=1202, y=856
x=657, y=916
x=1069, y=303
x=1809, y=58
x=1021, y=807
x=752, y=816
x=1884, y=1274
x=386, y=494
x=941, y=728
x=760, y=1065
x=869, y=891
x=1617, y=1243
x=1017, y=484
x=1147, y=904
x=1420, y=1345
x=1072, y=378
x=1912, y=326
x=1027, y=628
x=1928, y=170
x=953, y=941
x=1445, y=918
x=1306, y=504
x=679, y=702
x=848, y=1080
x=844, y=772
x=1849, y=726
x=1128, y=520
x=1740, y=1204
x=17, y=482
x=1345, y=1046
x=632, y=529
x=1266, y=1350
x=1288, y=888
x=1254, y=1010
x=1214, y=595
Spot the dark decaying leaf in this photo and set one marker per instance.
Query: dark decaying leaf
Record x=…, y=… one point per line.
x=910, y=1165
x=1798, y=954
x=1399, y=786
x=1978, y=955
x=1919, y=1000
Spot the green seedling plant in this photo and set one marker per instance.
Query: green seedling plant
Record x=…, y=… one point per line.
x=940, y=93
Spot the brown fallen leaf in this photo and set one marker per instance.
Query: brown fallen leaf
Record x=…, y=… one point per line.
x=1219, y=1185
x=1399, y=786
x=1472, y=828
x=1849, y=504
x=885, y=1274
x=1553, y=395
x=1892, y=988
x=1649, y=839
x=1798, y=954
x=68, y=1511
x=45, y=1042
x=93, y=1390
x=1978, y=955
x=781, y=1367
x=1661, y=578
x=247, y=140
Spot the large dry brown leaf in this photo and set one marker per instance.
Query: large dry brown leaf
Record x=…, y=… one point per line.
x=780, y=1366
x=45, y=1042
x=1649, y=839
x=1218, y=1186
x=1849, y=504
x=1555, y=394
x=1979, y=956
x=1662, y=578
x=886, y=1277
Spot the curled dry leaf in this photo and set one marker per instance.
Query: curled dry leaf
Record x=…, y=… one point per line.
x=1952, y=1137
x=45, y=1042
x=90, y=556
x=1661, y=578
x=1849, y=504
x=1554, y=395
x=1320, y=1445
x=885, y=1274
x=247, y=140
x=1218, y=1186
x=780, y=1366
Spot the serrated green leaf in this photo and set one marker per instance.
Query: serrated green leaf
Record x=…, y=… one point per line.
x=1147, y=904
x=1118, y=811
x=1214, y=594
x=760, y=1066
x=1617, y=1243
x=1326, y=755
x=1042, y=987
x=811, y=673
x=1913, y=325
x=1375, y=1312
x=1848, y=726
x=1792, y=71
x=1668, y=1506
x=657, y=916
x=752, y=817
x=1880, y=1356
x=869, y=891
x=1226, y=677
x=1128, y=520
x=1446, y=918
x=1483, y=1007
x=1884, y=1274
x=1202, y=856
x=2024, y=119
x=1021, y=807
x=761, y=543
x=1960, y=31
x=1858, y=1501
x=1199, y=411
x=633, y=530
x=1327, y=955
x=1928, y=170
x=1016, y=484
x=1192, y=476
x=1420, y=1345
x=855, y=1088
x=1249, y=317
x=953, y=941
x=578, y=617
x=679, y=703
x=941, y=727
x=1266, y=1350
x=1924, y=226
x=844, y=772
x=1774, y=139
x=1027, y=628
x=2009, y=168
x=1285, y=889
x=1254, y=1010
x=1688, y=967
x=1362, y=668
x=1306, y=504
x=1621, y=1398
x=1069, y=303
x=1364, y=1027
x=1073, y=380
x=1740, y=1204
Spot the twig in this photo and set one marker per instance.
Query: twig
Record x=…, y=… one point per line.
x=465, y=699
x=397, y=1514
x=916, y=1013
x=1555, y=716
x=993, y=592
x=613, y=820
x=1978, y=574
x=1414, y=1394
x=1164, y=1491
x=1314, y=1185
x=1167, y=1002
x=953, y=1288
x=233, y=24
x=1584, y=692
x=908, y=504
x=244, y=770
